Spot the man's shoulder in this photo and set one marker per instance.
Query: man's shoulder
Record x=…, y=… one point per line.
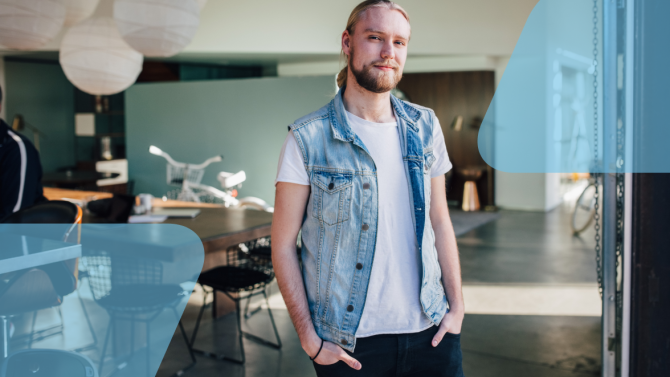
x=424, y=117
x=314, y=118
x=418, y=108
x=8, y=138
x=12, y=143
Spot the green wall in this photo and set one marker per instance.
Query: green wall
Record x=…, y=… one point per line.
x=245, y=120
x=43, y=95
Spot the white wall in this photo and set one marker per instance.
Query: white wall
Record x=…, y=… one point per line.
x=525, y=191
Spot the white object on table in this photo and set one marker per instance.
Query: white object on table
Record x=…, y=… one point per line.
x=177, y=212
x=139, y=219
x=146, y=201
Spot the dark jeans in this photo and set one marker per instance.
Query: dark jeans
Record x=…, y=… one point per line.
x=401, y=355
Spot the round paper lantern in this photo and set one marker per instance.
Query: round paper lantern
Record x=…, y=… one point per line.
x=157, y=28
x=78, y=10
x=30, y=24
x=96, y=59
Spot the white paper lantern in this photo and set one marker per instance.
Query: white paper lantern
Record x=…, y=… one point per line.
x=79, y=10
x=30, y=24
x=97, y=60
x=157, y=28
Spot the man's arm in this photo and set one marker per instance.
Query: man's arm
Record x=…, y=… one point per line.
x=290, y=202
x=10, y=178
x=447, y=254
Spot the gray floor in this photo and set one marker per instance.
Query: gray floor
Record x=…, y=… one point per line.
x=520, y=247
x=464, y=222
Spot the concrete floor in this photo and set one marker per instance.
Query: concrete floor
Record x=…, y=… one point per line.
x=521, y=249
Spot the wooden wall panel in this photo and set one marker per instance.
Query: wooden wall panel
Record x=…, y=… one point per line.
x=451, y=94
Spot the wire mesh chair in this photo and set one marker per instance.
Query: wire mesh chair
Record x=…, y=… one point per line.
x=259, y=251
x=244, y=276
x=47, y=362
x=132, y=289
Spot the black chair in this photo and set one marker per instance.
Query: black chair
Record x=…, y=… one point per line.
x=246, y=274
x=47, y=363
x=131, y=289
x=260, y=252
x=51, y=212
x=27, y=291
x=47, y=284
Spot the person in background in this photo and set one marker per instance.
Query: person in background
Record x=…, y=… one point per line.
x=20, y=171
x=379, y=294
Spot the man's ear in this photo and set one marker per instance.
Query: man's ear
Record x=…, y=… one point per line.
x=346, y=42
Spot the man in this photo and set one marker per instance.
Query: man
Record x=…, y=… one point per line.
x=20, y=171
x=363, y=179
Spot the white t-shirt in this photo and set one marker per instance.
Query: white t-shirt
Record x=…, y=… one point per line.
x=392, y=304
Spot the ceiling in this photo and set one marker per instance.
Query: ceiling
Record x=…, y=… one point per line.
x=265, y=32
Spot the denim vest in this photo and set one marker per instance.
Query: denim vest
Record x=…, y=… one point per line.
x=339, y=229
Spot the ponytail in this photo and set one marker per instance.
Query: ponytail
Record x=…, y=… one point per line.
x=342, y=76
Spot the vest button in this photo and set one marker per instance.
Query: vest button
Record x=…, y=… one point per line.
x=365, y=227
x=350, y=308
x=359, y=266
x=366, y=186
x=344, y=342
x=331, y=185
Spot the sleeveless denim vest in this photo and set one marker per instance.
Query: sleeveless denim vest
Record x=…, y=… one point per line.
x=339, y=229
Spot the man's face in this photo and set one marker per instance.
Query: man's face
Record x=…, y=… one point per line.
x=377, y=49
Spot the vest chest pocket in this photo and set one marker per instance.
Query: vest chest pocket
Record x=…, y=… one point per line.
x=332, y=192
x=429, y=159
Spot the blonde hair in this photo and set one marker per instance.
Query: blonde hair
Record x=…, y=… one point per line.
x=355, y=16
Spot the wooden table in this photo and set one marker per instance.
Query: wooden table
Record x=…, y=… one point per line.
x=218, y=227
x=53, y=193
x=221, y=228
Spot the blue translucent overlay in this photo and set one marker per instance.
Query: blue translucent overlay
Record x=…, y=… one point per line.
x=541, y=118
x=60, y=300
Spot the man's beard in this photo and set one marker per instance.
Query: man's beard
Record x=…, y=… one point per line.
x=381, y=82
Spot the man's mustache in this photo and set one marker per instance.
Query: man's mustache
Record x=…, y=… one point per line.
x=388, y=63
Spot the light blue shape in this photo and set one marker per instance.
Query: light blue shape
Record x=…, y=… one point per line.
x=60, y=296
x=541, y=116
x=541, y=119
